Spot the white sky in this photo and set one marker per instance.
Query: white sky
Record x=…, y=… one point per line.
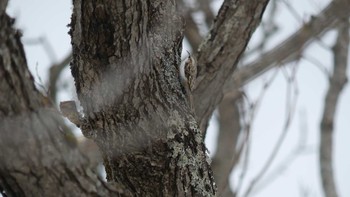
x=49, y=18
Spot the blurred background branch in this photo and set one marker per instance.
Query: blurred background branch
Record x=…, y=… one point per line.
x=336, y=85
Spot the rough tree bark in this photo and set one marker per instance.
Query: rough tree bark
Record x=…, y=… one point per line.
x=220, y=52
x=36, y=158
x=125, y=65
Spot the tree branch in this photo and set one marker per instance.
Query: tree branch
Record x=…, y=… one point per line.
x=337, y=82
x=54, y=73
x=220, y=52
x=291, y=48
x=229, y=130
x=204, y=6
x=191, y=28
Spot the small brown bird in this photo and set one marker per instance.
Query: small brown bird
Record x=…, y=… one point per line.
x=191, y=71
x=188, y=75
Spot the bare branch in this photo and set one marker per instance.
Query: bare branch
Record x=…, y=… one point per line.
x=192, y=32
x=54, y=73
x=268, y=28
x=301, y=148
x=337, y=82
x=246, y=142
x=219, y=54
x=291, y=9
x=204, y=5
x=42, y=41
x=191, y=29
x=290, y=112
x=290, y=49
x=318, y=64
x=229, y=131
x=55, y=69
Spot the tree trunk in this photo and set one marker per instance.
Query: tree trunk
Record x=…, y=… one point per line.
x=125, y=65
x=36, y=157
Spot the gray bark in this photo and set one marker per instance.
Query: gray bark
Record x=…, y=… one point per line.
x=220, y=52
x=336, y=85
x=36, y=157
x=125, y=64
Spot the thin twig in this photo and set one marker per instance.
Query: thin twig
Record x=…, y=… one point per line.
x=292, y=10
x=271, y=158
x=317, y=63
x=301, y=148
x=42, y=41
x=247, y=126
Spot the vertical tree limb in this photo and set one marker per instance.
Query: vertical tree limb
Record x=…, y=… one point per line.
x=337, y=82
x=226, y=154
